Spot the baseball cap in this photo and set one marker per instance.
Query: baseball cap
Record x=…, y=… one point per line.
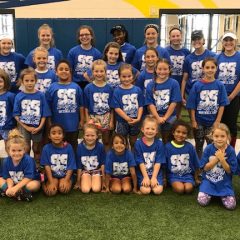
x=5, y=36
x=230, y=34
x=119, y=28
x=197, y=34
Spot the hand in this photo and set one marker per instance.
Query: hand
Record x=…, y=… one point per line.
x=50, y=187
x=135, y=191
x=35, y=130
x=29, y=129
x=220, y=154
x=134, y=121
x=107, y=190
x=146, y=182
x=11, y=192
x=194, y=124
x=65, y=185
x=184, y=102
x=197, y=181
x=154, y=182
x=161, y=120
x=77, y=186
x=129, y=120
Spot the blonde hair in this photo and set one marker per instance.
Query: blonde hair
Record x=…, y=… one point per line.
x=40, y=49
x=90, y=126
x=150, y=118
x=100, y=62
x=223, y=127
x=15, y=137
x=27, y=71
x=47, y=27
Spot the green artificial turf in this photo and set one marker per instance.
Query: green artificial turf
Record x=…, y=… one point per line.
x=109, y=216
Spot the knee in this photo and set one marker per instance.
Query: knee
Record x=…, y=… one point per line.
x=96, y=189
x=178, y=189
x=189, y=188
x=158, y=190
x=116, y=189
x=127, y=189
x=145, y=190
x=85, y=189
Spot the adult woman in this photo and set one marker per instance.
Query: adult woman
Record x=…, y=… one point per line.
x=229, y=73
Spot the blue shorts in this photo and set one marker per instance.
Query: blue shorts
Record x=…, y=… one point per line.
x=4, y=134
x=125, y=129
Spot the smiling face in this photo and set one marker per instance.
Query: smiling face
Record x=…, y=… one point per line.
x=209, y=70
x=40, y=58
x=229, y=44
x=99, y=73
x=151, y=37
x=119, y=36
x=150, y=129
x=151, y=58
x=85, y=37
x=45, y=37
x=162, y=71
x=16, y=151
x=175, y=37
x=5, y=46
x=119, y=145
x=112, y=55
x=126, y=77
x=198, y=43
x=90, y=136
x=63, y=72
x=29, y=82
x=180, y=134
x=56, y=135
x=220, y=138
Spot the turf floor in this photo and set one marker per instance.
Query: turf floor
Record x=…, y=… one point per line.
x=109, y=216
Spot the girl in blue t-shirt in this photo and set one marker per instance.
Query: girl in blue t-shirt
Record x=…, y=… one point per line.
x=192, y=67
x=11, y=62
x=31, y=110
x=98, y=95
x=120, y=167
x=46, y=40
x=149, y=157
x=147, y=74
x=128, y=103
x=219, y=163
x=162, y=96
x=90, y=161
x=82, y=56
x=206, y=103
x=151, y=33
x=182, y=160
x=7, y=121
x=45, y=75
x=65, y=99
x=58, y=159
x=19, y=169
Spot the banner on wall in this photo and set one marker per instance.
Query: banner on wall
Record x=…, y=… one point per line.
x=105, y=8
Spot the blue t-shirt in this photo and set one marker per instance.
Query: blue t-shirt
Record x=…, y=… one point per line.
x=217, y=182
x=31, y=108
x=25, y=169
x=118, y=165
x=206, y=98
x=182, y=162
x=65, y=101
x=128, y=52
x=60, y=159
x=149, y=155
x=45, y=79
x=112, y=74
x=177, y=59
x=129, y=100
x=144, y=79
x=228, y=70
x=7, y=121
x=97, y=99
x=162, y=95
x=139, y=59
x=81, y=60
x=54, y=56
x=193, y=67
x=12, y=64
x=90, y=159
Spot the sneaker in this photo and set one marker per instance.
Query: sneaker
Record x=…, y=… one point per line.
x=24, y=196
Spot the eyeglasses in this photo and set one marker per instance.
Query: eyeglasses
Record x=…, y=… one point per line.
x=85, y=35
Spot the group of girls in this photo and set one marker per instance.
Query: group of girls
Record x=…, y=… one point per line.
x=108, y=93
